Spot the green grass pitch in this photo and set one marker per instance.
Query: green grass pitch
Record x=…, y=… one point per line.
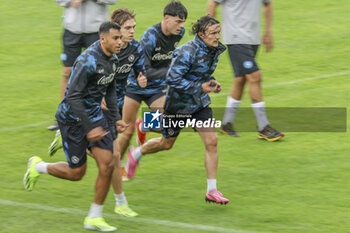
x=298, y=185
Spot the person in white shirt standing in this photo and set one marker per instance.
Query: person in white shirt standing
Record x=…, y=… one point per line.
x=241, y=34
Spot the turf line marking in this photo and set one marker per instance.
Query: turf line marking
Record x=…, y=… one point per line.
x=24, y=126
x=115, y=216
x=294, y=81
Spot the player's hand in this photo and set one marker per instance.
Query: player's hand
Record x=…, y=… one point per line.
x=209, y=86
x=142, y=80
x=96, y=134
x=76, y=3
x=104, y=104
x=218, y=87
x=121, y=126
x=268, y=41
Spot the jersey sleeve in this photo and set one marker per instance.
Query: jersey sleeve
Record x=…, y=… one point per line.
x=79, y=79
x=180, y=65
x=139, y=65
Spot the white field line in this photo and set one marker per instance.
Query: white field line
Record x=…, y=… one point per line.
x=24, y=126
x=211, y=96
x=293, y=81
x=115, y=216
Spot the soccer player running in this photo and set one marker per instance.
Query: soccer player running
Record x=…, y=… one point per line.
x=241, y=34
x=158, y=43
x=83, y=125
x=130, y=58
x=189, y=81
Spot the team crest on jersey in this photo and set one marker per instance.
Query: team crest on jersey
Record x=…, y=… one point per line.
x=176, y=43
x=131, y=58
x=100, y=70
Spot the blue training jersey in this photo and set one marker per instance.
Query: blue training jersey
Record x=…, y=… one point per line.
x=158, y=49
x=91, y=79
x=131, y=59
x=192, y=65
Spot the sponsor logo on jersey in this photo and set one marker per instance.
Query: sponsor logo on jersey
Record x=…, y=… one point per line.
x=162, y=57
x=104, y=80
x=124, y=69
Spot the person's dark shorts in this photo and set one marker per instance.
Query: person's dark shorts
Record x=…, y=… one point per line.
x=202, y=115
x=75, y=142
x=111, y=123
x=242, y=58
x=74, y=43
x=147, y=98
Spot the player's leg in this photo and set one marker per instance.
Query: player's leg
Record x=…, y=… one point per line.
x=210, y=140
x=105, y=164
x=152, y=146
x=255, y=90
x=75, y=144
x=234, y=99
x=56, y=144
x=155, y=102
x=122, y=206
x=130, y=108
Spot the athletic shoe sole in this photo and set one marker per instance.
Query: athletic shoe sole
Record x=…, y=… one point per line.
x=221, y=203
x=224, y=132
x=263, y=137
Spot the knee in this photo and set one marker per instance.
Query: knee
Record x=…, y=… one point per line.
x=127, y=134
x=78, y=173
x=116, y=156
x=212, y=143
x=255, y=77
x=107, y=167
